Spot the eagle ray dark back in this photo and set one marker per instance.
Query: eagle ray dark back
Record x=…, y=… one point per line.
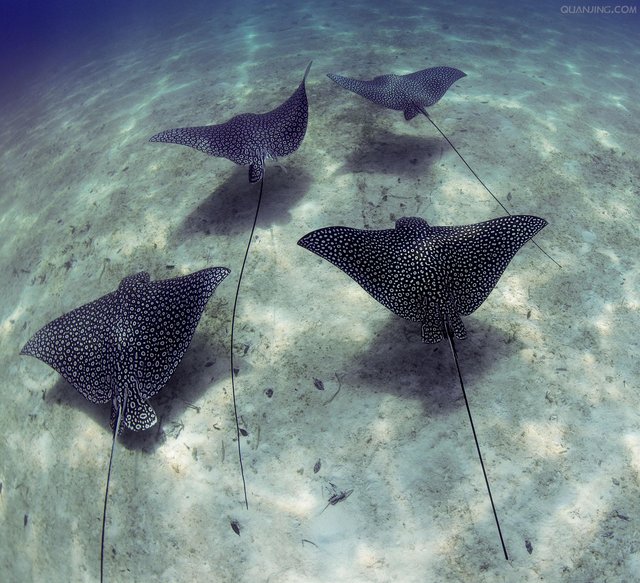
x=250, y=138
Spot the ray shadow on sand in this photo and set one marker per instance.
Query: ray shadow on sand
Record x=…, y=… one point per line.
x=229, y=208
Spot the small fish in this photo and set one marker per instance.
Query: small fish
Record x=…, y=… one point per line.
x=337, y=497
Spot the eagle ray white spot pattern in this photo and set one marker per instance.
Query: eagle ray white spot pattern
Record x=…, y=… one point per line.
x=409, y=93
x=130, y=340
x=249, y=138
x=424, y=273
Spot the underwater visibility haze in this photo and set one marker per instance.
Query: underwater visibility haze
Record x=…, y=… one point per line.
x=357, y=449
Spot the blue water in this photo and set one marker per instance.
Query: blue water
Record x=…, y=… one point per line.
x=547, y=116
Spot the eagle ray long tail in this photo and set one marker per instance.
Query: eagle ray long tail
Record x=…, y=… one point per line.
x=121, y=410
x=233, y=321
x=423, y=111
x=449, y=334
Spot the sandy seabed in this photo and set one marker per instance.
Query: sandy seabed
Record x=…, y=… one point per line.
x=547, y=116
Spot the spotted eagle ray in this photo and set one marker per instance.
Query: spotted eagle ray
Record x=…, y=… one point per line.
x=412, y=94
x=409, y=93
x=123, y=347
x=249, y=139
x=432, y=275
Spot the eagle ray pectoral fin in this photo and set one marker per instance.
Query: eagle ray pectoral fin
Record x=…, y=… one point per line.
x=139, y=415
x=431, y=331
x=452, y=313
x=410, y=112
x=457, y=326
x=431, y=335
x=256, y=171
